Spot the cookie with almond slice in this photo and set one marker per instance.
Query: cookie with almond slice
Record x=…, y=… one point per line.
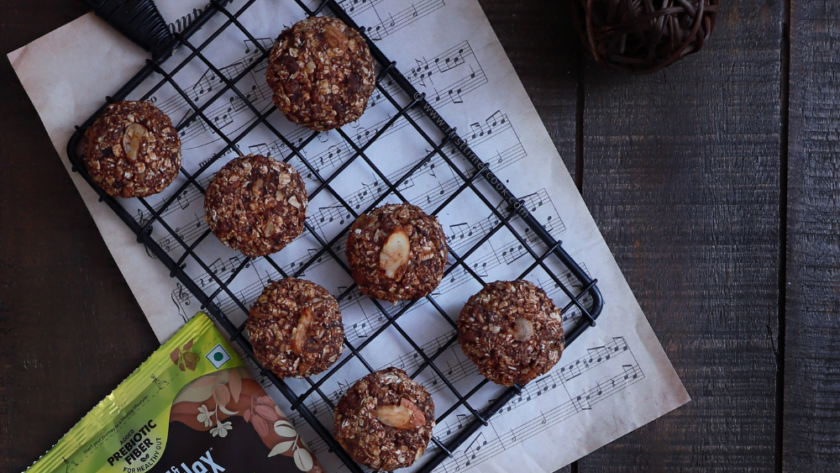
x=512, y=331
x=385, y=420
x=256, y=205
x=295, y=328
x=132, y=150
x=397, y=252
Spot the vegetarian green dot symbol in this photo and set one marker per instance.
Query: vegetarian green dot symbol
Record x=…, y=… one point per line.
x=218, y=356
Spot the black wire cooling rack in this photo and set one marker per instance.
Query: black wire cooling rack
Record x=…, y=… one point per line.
x=141, y=22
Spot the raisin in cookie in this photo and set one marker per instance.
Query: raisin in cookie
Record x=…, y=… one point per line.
x=512, y=331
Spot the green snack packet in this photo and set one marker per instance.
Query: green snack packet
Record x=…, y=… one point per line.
x=192, y=407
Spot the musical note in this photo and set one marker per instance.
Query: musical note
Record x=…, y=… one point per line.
x=598, y=354
x=581, y=403
x=459, y=230
x=330, y=214
x=480, y=268
x=396, y=21
x=474, y=447
x=542, y=385
x=183, y=200
x=455, y=96
x=452, y=60
x=220, y=266
x=631, y=371
x=514, y=253
x=363, y=134
x=496, y=118
x=204, y=85
x=478, y=130
x=570, y=372
x=353, y=8
x=462, y=420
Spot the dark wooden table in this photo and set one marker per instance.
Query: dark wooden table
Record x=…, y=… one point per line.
x=715, y=183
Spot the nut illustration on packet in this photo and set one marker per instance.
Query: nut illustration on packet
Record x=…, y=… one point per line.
x=192, y=407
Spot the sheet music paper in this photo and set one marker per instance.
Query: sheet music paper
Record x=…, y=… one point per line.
x=612, y=380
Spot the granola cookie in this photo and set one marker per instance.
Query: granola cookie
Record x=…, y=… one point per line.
x=396, y=252
x=512, y=331
x=322, y=73
x=295, y=328
x=385, y=420
x=256, y=205
x=132, y=150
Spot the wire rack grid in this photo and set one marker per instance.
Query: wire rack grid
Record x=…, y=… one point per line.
x=587, y=299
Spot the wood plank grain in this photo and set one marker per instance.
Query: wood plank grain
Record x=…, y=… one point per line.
x=536, y=36
x=681, y=172
x=812, y=354
x=70, y=330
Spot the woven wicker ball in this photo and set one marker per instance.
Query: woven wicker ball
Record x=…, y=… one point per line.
x=643, y=36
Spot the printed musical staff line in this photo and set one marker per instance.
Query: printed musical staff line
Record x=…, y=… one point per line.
x=476, y=79
x=453, y=93
x=333, y=158
x=354, y=8
x=455, y=279
x=253, y=290
x=493, y=128
x=223, y=115
x=443, y=62
x=452, y=427
x=407, y=362
x=428, y=200
x=535, y=203
x=188, y=232
x=471, y=455
x=172, y=105
x=277, y=148
x=222, y=268
x=397, y=21
x=566, y=371
x=176, y=104
x=353, y=334
x=377, y=97
x=463, y=235
x=464, y=368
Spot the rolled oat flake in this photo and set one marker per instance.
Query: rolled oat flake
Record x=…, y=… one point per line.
x=192, y=407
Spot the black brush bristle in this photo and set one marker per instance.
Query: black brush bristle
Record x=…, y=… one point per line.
x=140, y=21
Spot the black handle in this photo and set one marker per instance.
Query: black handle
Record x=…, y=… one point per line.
x=140, y=21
